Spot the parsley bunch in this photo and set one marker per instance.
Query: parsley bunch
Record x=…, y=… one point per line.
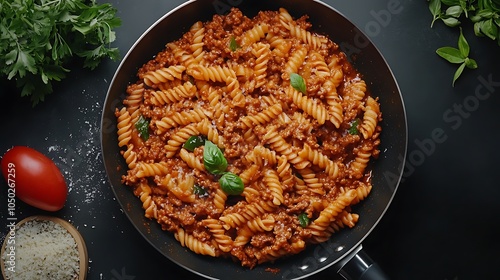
x=38, y=38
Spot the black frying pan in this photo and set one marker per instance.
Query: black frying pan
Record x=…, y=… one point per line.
x=343, y=250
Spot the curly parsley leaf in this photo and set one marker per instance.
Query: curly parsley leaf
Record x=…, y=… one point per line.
x=38, y=39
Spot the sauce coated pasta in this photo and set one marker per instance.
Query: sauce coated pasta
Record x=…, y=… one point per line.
x=292, y=117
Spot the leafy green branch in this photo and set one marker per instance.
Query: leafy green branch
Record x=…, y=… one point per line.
x=483, y=14
x=458, y=56
x=38, y=38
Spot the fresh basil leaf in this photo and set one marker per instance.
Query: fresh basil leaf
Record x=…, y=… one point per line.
x=303, y=220
x=451, y=54
x=477, y=29
x=490, y=29
x=213, y=158
x=451, y=21
x=454, y=11
x=231, y=184
x=298, y=82
x=463, y=45
x=458, y=73
x=193, y=142
x=142, y=126
x=463, y=5
x=470, y=63
x=435, y=8
x=233, y=45
x=485, y=14
x=450, y=2
x=353, y=130
x=199, y=191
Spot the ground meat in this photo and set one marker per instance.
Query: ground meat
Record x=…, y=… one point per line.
x=295, y=160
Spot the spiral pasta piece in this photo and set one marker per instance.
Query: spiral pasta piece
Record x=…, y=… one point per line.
x=233, y=86
x=358, y=165
x=207, y=129
x=319, y=159
x=328, y=215
x=193, y=244
x=173, y=95
x=312, y=107
x=179, y=138
x=261, y=224
x=262, y=52
x=277, y=143
x=266, y=116
x=191, y=160
x=312, y=39
x=144, y=193
x=198, y=31
x=151, y=169
x=211, y=73
x=130, y=156
x=295, y=60
x=223, y=240
x=272, y=181
x=164, y=74
x=179, y=119
x=370, y=118
x=254, y=35
x=220, y=199
x=124, y=125
x=335, y=110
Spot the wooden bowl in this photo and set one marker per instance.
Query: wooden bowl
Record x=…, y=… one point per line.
x=82, y=248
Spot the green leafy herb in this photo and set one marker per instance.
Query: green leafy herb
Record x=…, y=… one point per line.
x=231, y=184
x=199, y=191
x=353, y=130
x=38, y=38
x=193, y=142
x=213, y=158
x=233, y=45
x=142, y=126
x=485, y=16
x=303, y=220
x=298, y=82
x=458, y=56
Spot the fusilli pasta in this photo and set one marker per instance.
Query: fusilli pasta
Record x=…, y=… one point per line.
x=297, y=149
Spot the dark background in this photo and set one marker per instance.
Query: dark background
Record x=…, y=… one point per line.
x=443, y=222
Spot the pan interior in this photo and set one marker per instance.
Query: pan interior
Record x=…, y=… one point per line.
x=387, y=168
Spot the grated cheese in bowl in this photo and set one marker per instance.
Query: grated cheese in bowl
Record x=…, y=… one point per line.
x=44, y=248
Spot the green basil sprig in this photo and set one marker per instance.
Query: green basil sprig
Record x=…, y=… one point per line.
x=353, y=130
x=458, y=56
x=303, y=220
x=215, y=163
x=298, y=82
x=214, y=159
x=193, y=142
x=233, y=44
x=142, y=126
x=231, y=183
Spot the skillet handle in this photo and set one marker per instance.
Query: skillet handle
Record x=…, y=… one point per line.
x=361, y=267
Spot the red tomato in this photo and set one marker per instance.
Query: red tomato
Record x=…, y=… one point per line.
x=36, y=179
